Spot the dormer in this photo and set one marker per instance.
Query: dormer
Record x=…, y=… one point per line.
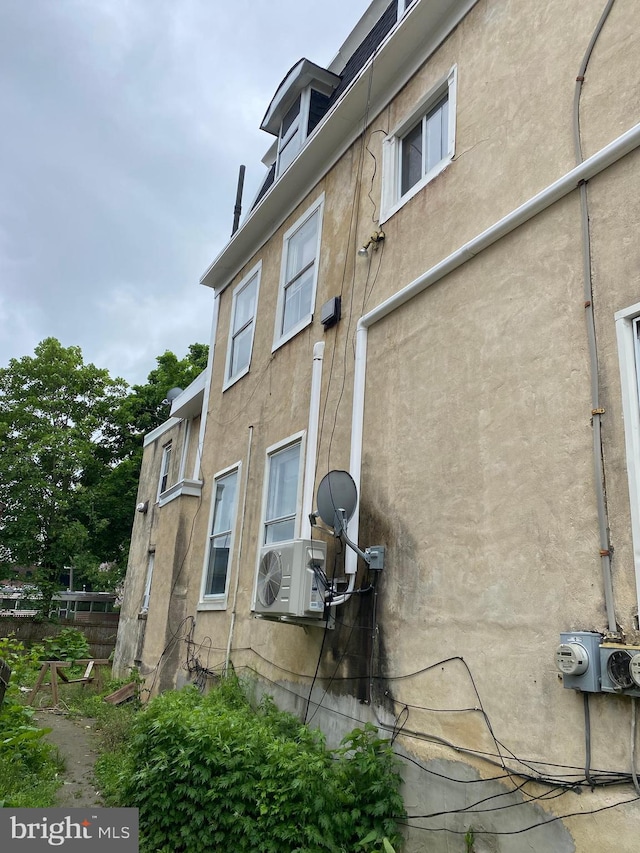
x=299, y=103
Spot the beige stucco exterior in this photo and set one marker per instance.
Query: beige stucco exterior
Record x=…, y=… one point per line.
x=477, y=444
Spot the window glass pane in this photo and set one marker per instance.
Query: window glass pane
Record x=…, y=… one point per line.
x=224, y=503
x=279, y=531
x=411, y=159
x=240, y=351
x=288, y=152
x=436, y=135
x=290, y=117
x=282, y=495
x=297, y=300
x=218, y=565
x=301, y=248
x=245, y=304
x=99, y=607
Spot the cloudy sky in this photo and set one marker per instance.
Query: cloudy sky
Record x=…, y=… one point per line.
x=122, y=127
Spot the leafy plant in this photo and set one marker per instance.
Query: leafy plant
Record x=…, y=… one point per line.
x=212, y=773
x=69, y=644
x=29, y=764
x=24, y=662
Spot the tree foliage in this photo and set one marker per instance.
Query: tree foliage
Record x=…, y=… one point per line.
x=70, y=453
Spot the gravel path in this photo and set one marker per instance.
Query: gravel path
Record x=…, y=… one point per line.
x=76, y=742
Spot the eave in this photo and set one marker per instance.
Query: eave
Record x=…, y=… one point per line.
x=407, y=47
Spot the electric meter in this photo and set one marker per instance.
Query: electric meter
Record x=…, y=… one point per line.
x=572, y=659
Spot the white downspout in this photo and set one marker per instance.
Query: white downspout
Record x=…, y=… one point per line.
x=197, y=465
x=312, y=440
x=589, y=168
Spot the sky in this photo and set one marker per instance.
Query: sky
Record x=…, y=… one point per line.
x=123, y=124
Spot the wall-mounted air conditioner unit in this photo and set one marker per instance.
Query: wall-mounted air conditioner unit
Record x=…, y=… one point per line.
x=290, y=580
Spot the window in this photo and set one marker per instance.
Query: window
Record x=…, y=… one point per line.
x=220, y=538
x=628, y=334
x=291, y=132
x=146, y=596
x=164, y=469
x=403, y=5
x=282, y=497
x=299, y=275
x=420, y=147
x=243, y=316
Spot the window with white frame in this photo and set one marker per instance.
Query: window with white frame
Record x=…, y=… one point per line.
x=420, y=147
x=146, y=595
x=242, y=329
x=292, y=131
x=403, y=5
x=216, y=572
x=299, y=275
x=628, y=335
x=165, y=466
x=282, y=497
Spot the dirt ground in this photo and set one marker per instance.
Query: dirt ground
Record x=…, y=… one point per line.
x=76, y=743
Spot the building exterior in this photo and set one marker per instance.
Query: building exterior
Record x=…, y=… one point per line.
x=475, y=372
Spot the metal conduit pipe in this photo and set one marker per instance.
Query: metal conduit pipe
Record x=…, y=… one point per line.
x=596, y=412
x=607, y=156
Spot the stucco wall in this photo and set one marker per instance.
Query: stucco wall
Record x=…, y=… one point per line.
x=478, y=472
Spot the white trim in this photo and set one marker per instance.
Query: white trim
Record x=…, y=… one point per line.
x=152, y=436
x=218, y=601
x=541, y=201
x=279, y=337
x=392, y=201
x=627, y=322
x=256, y=272
x=403, y=6
x=185, y=449
x=197, y=466
x=185, y=486
x=299, y=125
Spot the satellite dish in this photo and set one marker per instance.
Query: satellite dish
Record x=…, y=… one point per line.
x=337, y=490
x=173, y=393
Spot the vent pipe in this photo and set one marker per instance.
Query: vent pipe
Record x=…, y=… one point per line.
x=237, y=210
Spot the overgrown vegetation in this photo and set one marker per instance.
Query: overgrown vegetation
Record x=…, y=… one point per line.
x=69, y=644
x=30, y=766
x=211, y=772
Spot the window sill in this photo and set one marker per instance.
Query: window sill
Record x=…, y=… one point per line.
x=233, y=379
x=293, y=331
x=415, y=189
x=184, y=487
x=213, y=604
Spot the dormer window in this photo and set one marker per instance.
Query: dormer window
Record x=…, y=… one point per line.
x=300, y=102
x=403, y=6
x=291, y=133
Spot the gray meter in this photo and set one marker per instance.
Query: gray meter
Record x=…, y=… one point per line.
x=578, y=659
x=572, y=659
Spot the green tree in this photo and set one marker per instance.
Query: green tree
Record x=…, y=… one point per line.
x=71, y=441
x=56, y=440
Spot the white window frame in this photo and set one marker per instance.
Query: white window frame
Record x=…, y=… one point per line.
x=403, y=6
x=165, y=469
x=146, y=595
x=299, y=125
x=298, y=438
x=627, y=331
x=280, y=337
x=392, y=199
x=231, y=379
x=218, y=601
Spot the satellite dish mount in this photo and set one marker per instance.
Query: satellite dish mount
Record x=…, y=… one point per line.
x=337, y=501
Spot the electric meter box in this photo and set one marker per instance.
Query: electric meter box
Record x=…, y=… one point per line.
x=578, y=659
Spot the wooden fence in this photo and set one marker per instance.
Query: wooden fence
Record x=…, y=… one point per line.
x=101, y=635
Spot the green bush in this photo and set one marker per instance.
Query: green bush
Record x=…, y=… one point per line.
x=69, y=644
x=29, y=765
x=24, y=662
x=212, y=773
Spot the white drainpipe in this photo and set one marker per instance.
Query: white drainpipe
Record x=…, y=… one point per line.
x=589, y=168
x=312, y=440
